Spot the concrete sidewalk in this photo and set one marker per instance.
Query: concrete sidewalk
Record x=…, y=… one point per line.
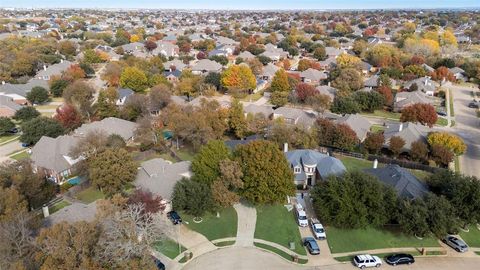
x=247, y=219
x=194, y=242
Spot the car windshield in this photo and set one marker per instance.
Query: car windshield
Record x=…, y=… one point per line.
x=302, y=217
x=319, y=230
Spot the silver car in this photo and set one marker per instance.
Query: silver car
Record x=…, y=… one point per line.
x=458, y=244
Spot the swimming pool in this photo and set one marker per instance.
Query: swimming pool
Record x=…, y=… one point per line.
x=74, y=180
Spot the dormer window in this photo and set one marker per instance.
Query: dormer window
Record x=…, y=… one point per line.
x=296, y=169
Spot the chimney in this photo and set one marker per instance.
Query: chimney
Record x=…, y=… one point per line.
x=3, y=82
x=45, y=211
x=61, y=60
x=375, y=163
x=400, y=128
x=285, y=147
x=44, y=67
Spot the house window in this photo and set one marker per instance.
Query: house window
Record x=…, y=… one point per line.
x=296, y=170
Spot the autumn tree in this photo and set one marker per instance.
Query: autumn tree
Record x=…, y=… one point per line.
x=319, y=102
x=106, y=104
x=112, y=73
x=111, y=170
x=80, y=95
x=303, y=91
x=305, y=64
x=37, y=95
x=396, y=145
x=319, y=53
x=34, y=129
x=448, y=140
x=386, y=92
x=346, y=60
x=422, y=113
x=151, y=203
x=441, y=154
x=73, y=73
x=280, y=88
x=150, y=45
x=374, y=142
x=348, y=79
x=267, y=177
x=134, y=79
x=68, y=116
x=238, y=78
x=236, y=119
x=225, y=188
x=159, y=97
x=419, y=151
x=443, y=73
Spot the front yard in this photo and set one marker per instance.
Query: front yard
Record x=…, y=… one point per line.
x=214, y=227
x=276, y=224
x=472, y=237
x=4, y=139
x=351, y=240
x=169, y=248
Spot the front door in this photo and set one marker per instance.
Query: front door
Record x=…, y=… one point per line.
x=309, y=180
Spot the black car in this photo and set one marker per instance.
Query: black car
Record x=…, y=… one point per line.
x=13, y=131
x=442, y=113
x=174, y=217
x=311, y=245
x=396, y=259
x=473, y=105
x=159, y=264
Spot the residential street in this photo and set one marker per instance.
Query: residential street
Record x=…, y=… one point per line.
x=9, y=148
x=468, y=127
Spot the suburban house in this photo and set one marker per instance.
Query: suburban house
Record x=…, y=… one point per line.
x=458, y=73
x=359, y=124
x=246, y=55
x=174, y=65
x=54, y=70
x=253, y=109
x=52, y=155
x=294, y=116
x=173, y=75
x=312, y=76
x=404, y=99
x=205, y=66
x=268, y=72
x=123, y=95
x=327, y=90
x=424, y=84
x=8, y=107
x=159, y=176
x=310, y=166
x=405, y=184
x=372, y=82
x=166, y=49
x=409, y=132
x=18, y=92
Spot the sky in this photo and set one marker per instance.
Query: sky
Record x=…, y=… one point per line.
x=242, y=4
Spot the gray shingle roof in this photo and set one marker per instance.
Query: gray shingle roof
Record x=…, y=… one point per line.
x=110, y=125
x=405, y=184
x=326, y=165
x=357, y=123
x=267, y=111
x=53, y=153
x=7, y=102
x=409, y=132
x=207, y=65
x=55, y=69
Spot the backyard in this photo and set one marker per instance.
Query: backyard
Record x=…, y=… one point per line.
x=384, y=114
x=351, y=240
x=276, y=224
x=214, y=227
x=90, y=195
x=59, y=205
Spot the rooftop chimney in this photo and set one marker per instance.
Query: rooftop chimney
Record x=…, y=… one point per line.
x=44, y=67
x=400, y=128
x=375, y=163
x=61, y=60
x=3, y=82
x=285, y=147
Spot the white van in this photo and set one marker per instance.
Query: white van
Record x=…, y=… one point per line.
x=301, y=215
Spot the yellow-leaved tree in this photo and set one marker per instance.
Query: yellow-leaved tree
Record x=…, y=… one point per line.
x=238, y=78
x=450, y=141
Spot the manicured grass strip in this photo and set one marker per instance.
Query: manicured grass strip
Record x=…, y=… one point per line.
x=457, y=164
x=472, y=237
x=20, y=155
x=214, y=227
x=61, y=204
x=279, y=252
x=450, y=97
x=477, y=252
x=276, y=224
x=351, y=240
x=442, y=122
x=169, y=248
x=90, y=194
x=224, y=243
x=384, y=114
x=4, y=139
x=435, y=253
x=377, y=128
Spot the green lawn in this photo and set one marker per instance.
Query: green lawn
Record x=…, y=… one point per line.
x=61, y=204
x=384, y=114
x=452, y=111
x=4, y=139
x=457, y=164
x=276, y=224
x=442, y=122
x=213, y=227
x=344, y=240
x=279, y=252
x=253, y=97
x=20, y=155
x=472, y=237
x=90, y=194
x=185, y=154
x=377, y=128
x=167, y=156
x=353, y=164
x=169, y=248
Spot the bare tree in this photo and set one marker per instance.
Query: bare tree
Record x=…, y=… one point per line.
x=16, y=241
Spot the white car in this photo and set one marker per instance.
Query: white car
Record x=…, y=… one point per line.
x=317, y=229
x=301, y=215
x=367, y=260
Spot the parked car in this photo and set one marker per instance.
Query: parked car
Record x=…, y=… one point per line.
x=367, y=260
x=317, y=229
x=159, y=264
x=25, y=144
x=13, y=130
x=311, y=245
x=396, y=259
x=442, y=113
x=174, y=217
x=458, y=244
x=301, y=215
x=473, y=105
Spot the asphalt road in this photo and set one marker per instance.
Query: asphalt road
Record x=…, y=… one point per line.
x=9, y=148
